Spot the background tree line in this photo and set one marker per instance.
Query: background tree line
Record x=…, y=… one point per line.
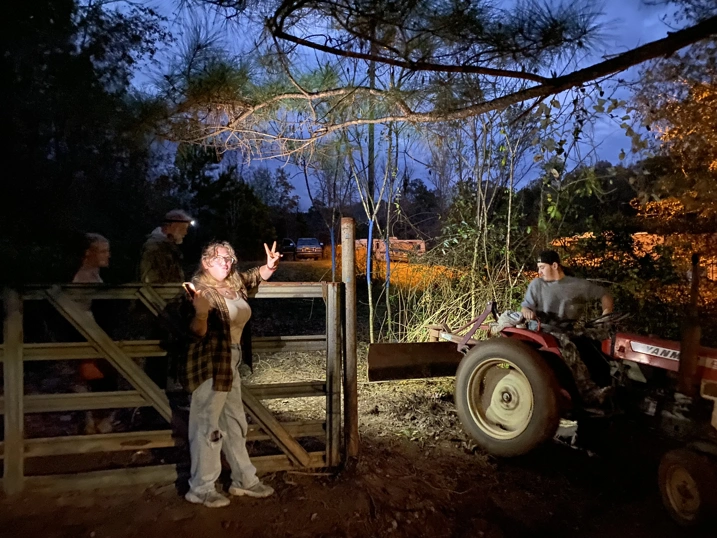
x=82, y=151
x=487, y=188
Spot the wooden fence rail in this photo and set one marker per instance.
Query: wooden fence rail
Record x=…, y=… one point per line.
x=14, y=404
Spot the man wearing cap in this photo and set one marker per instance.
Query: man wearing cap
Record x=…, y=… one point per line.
x=554, y=295
x=553, y=298
x=161, y=261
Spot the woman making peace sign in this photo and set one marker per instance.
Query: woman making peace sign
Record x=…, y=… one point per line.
x=216, y=416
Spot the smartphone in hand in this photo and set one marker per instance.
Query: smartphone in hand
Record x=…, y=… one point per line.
x=190, y=289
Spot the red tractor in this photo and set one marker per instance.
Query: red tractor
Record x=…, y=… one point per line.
x=514, y=389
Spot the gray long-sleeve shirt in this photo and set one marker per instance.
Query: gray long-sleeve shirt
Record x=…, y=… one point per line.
x=567, y=298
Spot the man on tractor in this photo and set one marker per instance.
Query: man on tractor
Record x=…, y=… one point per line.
x=557, y=301
x=554, y=295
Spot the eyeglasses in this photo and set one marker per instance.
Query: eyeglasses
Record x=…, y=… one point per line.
x=229, y=260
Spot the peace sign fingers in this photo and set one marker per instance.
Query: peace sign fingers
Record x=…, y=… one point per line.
x=272, y=252
x=272, y=256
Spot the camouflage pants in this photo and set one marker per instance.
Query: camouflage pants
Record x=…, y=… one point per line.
x=564, y=332
x=589, y=391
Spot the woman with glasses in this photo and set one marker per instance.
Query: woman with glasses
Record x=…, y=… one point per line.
x=216, y=415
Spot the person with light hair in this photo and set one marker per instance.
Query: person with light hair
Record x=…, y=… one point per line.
x=95, y=256
x=211, y=374
x=162, y=261
x=96, y=375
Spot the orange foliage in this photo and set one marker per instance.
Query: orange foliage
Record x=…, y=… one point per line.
x=403, y=274
x=667, y=210
x=682, y=245
x=415, y=276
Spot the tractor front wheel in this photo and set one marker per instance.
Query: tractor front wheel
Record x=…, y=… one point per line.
x=507, y=397
x=687, y=481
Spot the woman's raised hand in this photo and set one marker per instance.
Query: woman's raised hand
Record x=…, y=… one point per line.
x=272, y=256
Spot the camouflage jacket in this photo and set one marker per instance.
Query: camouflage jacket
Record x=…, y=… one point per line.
x=161, y=261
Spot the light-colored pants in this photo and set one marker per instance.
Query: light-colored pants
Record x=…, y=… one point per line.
x=217, y=422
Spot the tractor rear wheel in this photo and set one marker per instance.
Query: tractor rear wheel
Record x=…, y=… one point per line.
x=507, y=397
x=687, y=481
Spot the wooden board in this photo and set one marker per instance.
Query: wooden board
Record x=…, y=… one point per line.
x=85, y=401
x=267, y=290
x=62, y=351
x=348, y=277
x=263, y=344
x=333, y=374
x=412, y=361
x=13, y=390
x=301, y=389
x=151, y=348
x=117, y=442
x=273, y=428
x=158, y=474
x=88, y=327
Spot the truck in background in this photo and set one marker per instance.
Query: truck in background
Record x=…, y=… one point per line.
x=400, y=250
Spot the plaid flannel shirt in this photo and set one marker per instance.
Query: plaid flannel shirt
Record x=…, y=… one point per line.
x=209, y=357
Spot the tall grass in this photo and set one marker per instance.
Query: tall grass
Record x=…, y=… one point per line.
x=426, y=292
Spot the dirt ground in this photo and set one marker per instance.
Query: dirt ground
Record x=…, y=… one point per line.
x=399, y=488
x=418, y=475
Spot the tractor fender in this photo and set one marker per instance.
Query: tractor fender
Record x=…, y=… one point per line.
x=707, y=447
x=546, y=343
x=549, y=349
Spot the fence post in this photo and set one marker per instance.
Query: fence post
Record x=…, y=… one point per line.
x=333, y=374
x=348, y=276
x=13, y=476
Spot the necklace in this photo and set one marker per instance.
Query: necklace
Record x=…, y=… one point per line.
x=228, y=293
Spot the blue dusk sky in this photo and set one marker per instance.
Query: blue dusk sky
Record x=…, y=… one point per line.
x=626, y=24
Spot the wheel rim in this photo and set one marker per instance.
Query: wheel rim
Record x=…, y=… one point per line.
x=500, y=398
x=683, y=492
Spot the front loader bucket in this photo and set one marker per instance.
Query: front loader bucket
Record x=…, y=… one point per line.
x=412, y=361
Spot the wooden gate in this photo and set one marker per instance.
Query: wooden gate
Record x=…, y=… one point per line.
x=15, y=404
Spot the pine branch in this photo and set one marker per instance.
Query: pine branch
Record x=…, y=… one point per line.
x=245, y=124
